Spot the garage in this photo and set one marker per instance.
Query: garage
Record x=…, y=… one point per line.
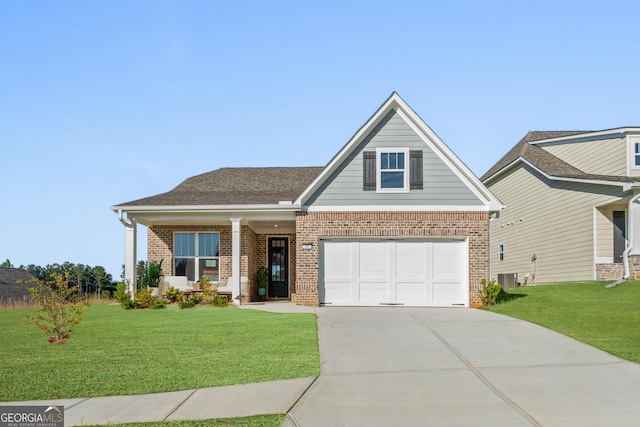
x=394, y=272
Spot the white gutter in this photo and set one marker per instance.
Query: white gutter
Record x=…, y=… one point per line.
x=125, y=221
x=209, y=208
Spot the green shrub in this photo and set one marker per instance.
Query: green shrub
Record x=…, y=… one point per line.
x=143, y=298
x=490, y=292
x=59, y=310
x=105, y=294
x=187, y=303
x=197, y=298
x=173, y=294
x=158, y=303
x=219, y=301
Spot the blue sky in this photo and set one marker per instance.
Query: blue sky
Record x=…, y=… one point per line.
x=107, y=102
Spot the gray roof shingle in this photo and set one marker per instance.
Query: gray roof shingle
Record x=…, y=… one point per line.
x=546, y=161
x=236, y=186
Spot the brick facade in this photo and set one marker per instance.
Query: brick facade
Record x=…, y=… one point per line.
x=310, y=227
x=313, y=225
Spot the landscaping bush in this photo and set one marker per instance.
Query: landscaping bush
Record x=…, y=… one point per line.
x=219, y=301
x=490, y=292
x=173, y=294
x=59, y=308
x=187, y=303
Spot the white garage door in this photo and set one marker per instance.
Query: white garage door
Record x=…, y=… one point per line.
x=416, y=273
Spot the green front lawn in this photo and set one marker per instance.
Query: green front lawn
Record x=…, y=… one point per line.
x=587, y=311
x=121, y=352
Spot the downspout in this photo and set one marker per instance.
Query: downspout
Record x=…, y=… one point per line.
x=125, y=221
x=627, y=251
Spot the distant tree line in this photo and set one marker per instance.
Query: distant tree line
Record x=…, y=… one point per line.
x=89, y=280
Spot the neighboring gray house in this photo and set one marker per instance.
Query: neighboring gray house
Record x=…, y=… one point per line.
x=394, y=218
x=14, y=287
x=571, y=207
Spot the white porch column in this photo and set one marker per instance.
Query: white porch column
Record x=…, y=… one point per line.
x=235, y=260
x=130, y=241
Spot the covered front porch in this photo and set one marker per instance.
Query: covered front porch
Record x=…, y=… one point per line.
x=615, y=251
x=229, y=248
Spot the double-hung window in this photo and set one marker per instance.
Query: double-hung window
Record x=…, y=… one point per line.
x=393, y=173
x=501, y=251
x=196, y=255
x=636, y=154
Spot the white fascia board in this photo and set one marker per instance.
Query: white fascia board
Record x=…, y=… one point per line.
x=207, y=208
x=625, y=185
x=401, y=208
x=616, y=131
x=349, y=146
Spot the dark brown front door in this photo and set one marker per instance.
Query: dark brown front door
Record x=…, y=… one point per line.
x=278, y=267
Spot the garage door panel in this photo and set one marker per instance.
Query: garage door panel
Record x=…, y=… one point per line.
x=410, y=261
x=448, y=258
x=373, y=292
x=338, y=261
x=373, y=261
x=448, y=293
x=411, y=293
x=338, y=292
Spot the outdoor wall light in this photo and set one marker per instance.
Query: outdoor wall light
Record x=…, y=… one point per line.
x=307, y=246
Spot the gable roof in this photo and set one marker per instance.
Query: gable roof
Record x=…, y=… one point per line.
x=395, y=102
x=235, y=186
x=546, y=162
x=12, y=287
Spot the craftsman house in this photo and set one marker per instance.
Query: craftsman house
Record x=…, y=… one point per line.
x=395, y=218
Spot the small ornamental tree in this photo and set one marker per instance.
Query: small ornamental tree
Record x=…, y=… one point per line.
x=59, y=308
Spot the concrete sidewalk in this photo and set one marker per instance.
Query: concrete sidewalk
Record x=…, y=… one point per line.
x=271, y=397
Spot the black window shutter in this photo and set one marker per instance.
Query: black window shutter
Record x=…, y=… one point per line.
x=369, y=170
x=415, y=168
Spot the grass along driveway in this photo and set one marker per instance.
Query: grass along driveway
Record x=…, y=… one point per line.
x=604, y=318
x=121, y=352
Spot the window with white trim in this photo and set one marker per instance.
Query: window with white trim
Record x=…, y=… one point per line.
x=636, y=154
x=392, y=169
x=501, y=252
x=196, y=255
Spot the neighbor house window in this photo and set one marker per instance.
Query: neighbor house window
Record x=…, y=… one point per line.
x=501, y=252
x=196, y=255
x=392, y=171
x=636, y=154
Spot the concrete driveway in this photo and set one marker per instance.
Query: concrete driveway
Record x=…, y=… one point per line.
x=401, y=366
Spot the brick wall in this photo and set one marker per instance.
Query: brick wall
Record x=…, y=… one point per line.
x=313, y=225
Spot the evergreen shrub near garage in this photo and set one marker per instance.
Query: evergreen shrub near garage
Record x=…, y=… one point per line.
x=490, y=292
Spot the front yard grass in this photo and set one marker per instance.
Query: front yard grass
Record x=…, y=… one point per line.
x=604, y=318
x=121, y=352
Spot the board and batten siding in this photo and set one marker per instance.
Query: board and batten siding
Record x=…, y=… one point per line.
x=553, y=219
x=595, y=156
x=441, y=185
